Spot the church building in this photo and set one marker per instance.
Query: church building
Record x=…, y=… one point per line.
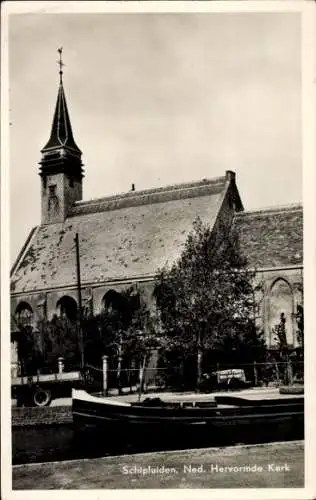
x=125, y=238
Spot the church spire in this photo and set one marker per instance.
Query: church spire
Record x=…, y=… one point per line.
x=61, y=132
x=61, y=167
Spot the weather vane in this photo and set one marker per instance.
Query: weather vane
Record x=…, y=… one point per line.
x=61, y=64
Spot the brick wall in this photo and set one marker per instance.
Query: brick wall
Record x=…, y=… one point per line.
x=22, y=417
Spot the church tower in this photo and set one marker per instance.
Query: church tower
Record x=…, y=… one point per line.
x=61, y=167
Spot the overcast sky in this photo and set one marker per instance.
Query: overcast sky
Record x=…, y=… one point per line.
x=156, y=99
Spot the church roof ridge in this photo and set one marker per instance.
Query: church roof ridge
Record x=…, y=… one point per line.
x=151, y=195
x=290, y=207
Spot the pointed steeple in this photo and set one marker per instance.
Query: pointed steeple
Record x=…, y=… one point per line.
x=61, y=167
x=61, y=132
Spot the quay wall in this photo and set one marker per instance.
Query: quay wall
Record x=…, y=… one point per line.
x=48, y=415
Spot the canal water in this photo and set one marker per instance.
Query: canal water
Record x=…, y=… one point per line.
x=56, y=443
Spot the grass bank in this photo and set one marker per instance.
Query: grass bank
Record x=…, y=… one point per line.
x=274, y=465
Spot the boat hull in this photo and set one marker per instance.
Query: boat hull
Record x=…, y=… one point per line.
x=232, y=421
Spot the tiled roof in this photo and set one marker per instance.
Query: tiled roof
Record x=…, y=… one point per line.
x=271, y=237
x=124, y=236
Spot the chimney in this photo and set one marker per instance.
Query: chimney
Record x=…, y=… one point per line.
x=133, y=187
x=230, y=175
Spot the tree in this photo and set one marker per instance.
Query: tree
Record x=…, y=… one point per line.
x=124, y=330
x=128, y=322
x=59, y=338
x=279, y=331
x=206, y=299
x=140, y=334
x=300, y=326
x=29, y=352
x=299, y=351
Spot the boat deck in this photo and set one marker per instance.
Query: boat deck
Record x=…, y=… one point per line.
x=203, y=399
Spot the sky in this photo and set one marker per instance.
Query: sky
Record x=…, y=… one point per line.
x=156, y=99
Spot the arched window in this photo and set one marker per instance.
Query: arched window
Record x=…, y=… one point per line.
x=24, y=314
x=113, y=301
x=281, y=301
x=118, y=307
x=67, y=308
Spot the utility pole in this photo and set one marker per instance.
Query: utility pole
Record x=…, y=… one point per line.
x=119, y=363
x=80, y=333
x=199, y=359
